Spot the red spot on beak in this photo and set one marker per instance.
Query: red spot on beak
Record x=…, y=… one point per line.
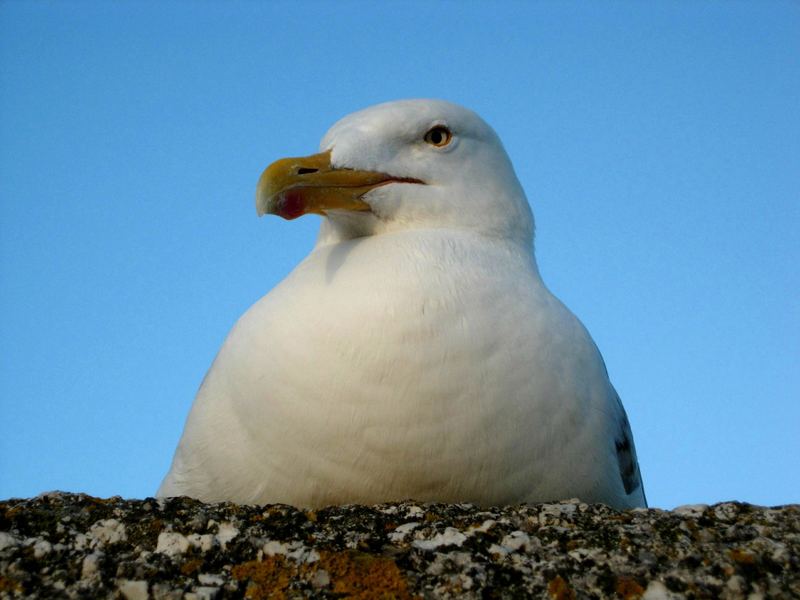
x=291, y=205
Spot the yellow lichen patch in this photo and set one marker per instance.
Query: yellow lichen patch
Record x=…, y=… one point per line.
x=269, y=578
x=560, y=589
x=363, y=576
x=628, y=588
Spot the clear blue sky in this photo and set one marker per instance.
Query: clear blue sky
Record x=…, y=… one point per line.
x=659, y=144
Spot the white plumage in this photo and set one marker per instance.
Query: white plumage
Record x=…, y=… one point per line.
x=415, y=353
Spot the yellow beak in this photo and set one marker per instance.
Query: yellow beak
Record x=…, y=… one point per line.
x=292, y=187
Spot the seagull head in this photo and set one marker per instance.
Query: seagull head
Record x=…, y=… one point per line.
x=409, y=164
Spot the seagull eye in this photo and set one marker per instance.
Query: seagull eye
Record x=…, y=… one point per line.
x=438, y=136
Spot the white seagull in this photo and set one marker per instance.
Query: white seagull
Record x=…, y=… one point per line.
x=416, y=352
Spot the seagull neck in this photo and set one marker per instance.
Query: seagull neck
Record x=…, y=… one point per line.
x=348, y=226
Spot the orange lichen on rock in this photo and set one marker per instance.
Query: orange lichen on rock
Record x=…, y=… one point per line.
x=363, y=576
x=560, y=589
x=742, y=557
x=9, y=585
x=628, y=588
x=351, y=574
x=269, y=578
x=191, y=566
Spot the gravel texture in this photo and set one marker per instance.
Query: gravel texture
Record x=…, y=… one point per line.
x=75, y=546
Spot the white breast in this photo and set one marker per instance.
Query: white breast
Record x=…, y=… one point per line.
x=420, y=364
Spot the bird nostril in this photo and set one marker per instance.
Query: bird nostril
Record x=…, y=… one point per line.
x=306, y=171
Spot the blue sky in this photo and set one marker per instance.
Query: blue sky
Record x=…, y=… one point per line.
x=658, y=142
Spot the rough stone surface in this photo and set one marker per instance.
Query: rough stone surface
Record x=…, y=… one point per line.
x=75, y=546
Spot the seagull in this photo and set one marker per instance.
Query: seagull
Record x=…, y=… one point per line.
x=415, y=353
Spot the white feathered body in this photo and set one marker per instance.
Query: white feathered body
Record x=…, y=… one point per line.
x=424, y=364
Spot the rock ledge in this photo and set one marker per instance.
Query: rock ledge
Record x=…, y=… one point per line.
x=62, y=545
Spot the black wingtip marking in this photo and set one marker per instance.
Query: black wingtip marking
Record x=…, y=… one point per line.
x=626, y=458
x=627, y=466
